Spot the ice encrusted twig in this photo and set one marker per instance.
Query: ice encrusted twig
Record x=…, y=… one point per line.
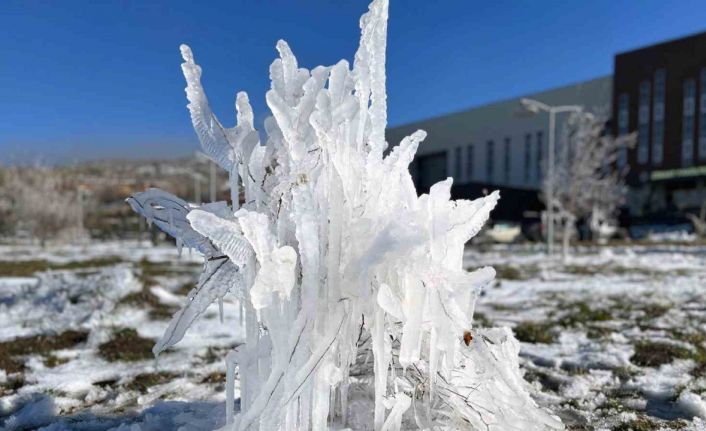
x=336, y=260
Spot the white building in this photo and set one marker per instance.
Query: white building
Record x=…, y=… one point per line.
x=493, y=146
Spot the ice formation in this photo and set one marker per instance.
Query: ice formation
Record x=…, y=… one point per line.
x=352, y=285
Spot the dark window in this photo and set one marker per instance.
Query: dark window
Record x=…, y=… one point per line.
x=702, y=115
x=469, y=162
x=540, y=155
x=506, y=157
x=489, y=162
x=688, y=118
x=528, y=157
x=431, y=169
x=458, y=175
x=623, y=125
x=643, y=121
x=658, y=118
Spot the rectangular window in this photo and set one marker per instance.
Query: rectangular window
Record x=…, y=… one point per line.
x=506, y=157
x=702, y=115
x=431, y=169
x=688, y=117
x=489, y=162
x=643, y=121
x=623, y=126
x=528, y=157
x=540, y=156
x=658, y=118
x=469, y=162
x=458, y=162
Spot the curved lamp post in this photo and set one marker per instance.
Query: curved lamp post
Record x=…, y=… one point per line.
x=534, y=107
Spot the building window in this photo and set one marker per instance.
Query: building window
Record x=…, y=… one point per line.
x=688, y=117
x=643, y=121
x=458, y=161
x=506, y=157
x=469, y=162
x=658, y=118
x=431, y=169
x=540, y=156
x=528, y=157
x=702, y=115
x=489, y=161
x=623, y=126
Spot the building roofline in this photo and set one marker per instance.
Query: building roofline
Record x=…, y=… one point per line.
x=661, y=44
x=497, y=102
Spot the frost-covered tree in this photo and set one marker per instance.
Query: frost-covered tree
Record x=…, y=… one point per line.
x=42, y=202
x=586, y=182
x=699, y=221
x=358, y=312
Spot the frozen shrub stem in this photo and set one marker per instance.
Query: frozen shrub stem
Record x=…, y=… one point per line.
x=332, y=252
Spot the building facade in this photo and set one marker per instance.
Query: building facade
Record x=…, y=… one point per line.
x=496, y=147
x=659, y=92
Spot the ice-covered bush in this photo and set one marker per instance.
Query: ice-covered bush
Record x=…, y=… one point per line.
x=587, y=183
x=39, y=201
x=357, y=309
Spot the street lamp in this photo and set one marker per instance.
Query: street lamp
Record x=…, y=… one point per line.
x=534, y=107
x=197, y=187
x=201, y=157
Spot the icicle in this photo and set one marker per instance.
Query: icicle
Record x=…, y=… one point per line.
x=220, y=309
x=231, y=361
x=234, y=188
x=394, y=419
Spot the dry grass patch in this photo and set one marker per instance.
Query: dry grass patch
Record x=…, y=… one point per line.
x=215, y=378
x=126, y=345
x=146, y=299
x=12, y=351
x=27, y=268
x=654, y=353
x=142, y=382
x=534, y=332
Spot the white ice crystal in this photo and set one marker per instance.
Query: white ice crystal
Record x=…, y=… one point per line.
x=333, y=254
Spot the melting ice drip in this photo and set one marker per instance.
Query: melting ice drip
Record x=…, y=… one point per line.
x=352, y=286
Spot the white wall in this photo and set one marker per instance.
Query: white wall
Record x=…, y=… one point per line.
x=497, y=121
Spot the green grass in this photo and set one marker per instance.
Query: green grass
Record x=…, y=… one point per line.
x=534, y=332
x=580, y=313
x=481, y=320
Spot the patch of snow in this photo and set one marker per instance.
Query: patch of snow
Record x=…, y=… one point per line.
x=693, y=404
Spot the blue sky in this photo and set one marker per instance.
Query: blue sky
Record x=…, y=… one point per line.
x=83, y=80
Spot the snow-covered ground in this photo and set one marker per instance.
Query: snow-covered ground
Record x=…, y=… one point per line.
x=76, y=340
x=612, y=339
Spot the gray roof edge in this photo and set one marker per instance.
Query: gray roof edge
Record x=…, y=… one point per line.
x=499, y=102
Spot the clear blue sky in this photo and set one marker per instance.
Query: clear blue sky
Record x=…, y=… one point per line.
x=82, y=79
